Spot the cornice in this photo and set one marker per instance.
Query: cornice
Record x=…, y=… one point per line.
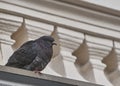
x=92, y=6
x=71, y=12
x=88, y=21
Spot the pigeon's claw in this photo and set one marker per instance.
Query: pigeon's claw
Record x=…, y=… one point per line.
x=38, y=72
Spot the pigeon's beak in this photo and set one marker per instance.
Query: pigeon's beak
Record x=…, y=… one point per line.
x=54, y=43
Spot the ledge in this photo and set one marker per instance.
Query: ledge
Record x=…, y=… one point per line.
x=13, y=76
x=93, y=6
x=73, y=17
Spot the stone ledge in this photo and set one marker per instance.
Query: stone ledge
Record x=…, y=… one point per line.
x=27, y=78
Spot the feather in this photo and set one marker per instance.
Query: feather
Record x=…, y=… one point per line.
x=33, y=55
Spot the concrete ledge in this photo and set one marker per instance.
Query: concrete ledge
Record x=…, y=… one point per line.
x=92, y=6
x=9, y=75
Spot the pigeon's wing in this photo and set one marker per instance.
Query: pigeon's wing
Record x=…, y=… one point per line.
x=42, y=59
x=23, y=56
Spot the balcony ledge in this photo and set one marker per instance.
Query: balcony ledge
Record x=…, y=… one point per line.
x=13, y=76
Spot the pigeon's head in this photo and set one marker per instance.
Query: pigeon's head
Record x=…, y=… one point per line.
x=48, y=39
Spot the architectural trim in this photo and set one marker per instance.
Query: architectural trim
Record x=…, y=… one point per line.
x=29, y=74
x=66, y=22
x=92, y=6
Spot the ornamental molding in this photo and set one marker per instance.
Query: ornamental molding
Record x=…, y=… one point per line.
x=72, y=17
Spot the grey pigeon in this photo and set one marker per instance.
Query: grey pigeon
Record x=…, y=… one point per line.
x=33, y=55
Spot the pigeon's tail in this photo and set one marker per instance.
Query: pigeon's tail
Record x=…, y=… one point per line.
x=10, y=64
x=13, y=65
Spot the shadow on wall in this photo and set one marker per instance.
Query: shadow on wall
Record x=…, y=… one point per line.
x=58, y=66
x=57, y=62
x=82, y=63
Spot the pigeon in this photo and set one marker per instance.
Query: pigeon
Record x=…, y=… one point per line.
x=33, y=55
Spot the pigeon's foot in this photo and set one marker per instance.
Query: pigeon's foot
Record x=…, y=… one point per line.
x=38, y=72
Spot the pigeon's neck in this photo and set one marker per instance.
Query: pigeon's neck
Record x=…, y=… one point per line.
x=40, y=42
